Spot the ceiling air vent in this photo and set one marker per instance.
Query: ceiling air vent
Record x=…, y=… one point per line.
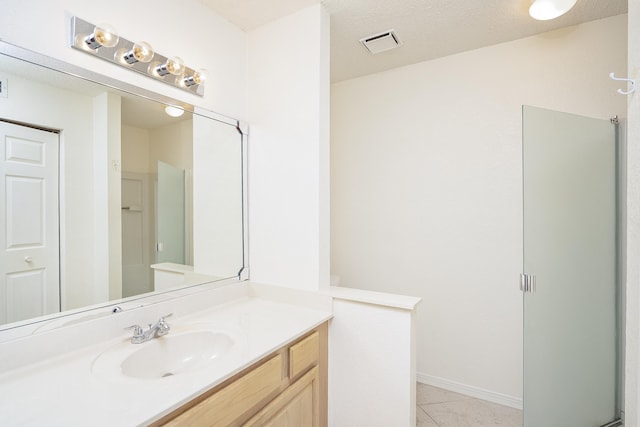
x=381, y=42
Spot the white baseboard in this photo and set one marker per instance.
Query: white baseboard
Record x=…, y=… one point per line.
x=491, y=396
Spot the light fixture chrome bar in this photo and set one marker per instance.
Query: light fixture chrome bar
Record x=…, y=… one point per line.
x=122, y=54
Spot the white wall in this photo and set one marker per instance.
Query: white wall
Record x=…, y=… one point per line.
x=372, y=370
x=288, y=86
x=426, y=188
x=107, y=219
x=172, y=144
x=217, y=181
x=135, y=149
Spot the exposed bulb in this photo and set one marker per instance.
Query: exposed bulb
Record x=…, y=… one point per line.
x=197, y=78
x=103, y=35
x=544, y=10
x=200, y=76
x=174, y=66
x=140, y=52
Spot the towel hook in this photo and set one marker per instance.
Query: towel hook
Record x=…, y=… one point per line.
x=632, y=88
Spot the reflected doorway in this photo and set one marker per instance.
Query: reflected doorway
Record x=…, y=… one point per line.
x=30, y=241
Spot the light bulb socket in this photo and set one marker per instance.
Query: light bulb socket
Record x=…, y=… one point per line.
x=140, y=52
x=189, y=81
x=91, y=42
x=102, y=35
x=197, y=78
x=173, y=66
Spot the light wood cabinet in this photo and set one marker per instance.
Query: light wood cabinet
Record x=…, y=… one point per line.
x=297, y=406
x=285, y=389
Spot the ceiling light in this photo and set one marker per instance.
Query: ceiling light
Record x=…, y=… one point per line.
x=544, y=10
x=173, y=111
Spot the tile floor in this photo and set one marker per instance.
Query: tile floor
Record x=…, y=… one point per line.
x=441, y=408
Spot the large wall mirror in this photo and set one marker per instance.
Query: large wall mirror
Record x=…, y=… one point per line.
x=105, y=195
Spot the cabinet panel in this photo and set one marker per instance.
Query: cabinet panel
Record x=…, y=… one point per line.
x=226, y=406
x=297, y=406
x=304, y=354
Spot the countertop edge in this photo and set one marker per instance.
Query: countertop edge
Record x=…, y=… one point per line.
x=377, y=298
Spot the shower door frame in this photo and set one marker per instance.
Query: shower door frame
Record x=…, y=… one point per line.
x=614, y=363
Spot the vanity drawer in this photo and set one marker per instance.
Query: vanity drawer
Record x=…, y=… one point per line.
x=231, y=403
x=304, y=354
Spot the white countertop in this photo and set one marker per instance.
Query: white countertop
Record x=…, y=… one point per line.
x=376, y=298
x=64, y=391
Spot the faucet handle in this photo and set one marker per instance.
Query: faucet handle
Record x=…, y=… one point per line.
x=165, y=316
x=137, y=330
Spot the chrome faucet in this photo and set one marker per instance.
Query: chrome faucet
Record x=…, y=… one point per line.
x=159, y=329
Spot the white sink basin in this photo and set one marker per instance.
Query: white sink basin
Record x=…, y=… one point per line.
x=163, y=357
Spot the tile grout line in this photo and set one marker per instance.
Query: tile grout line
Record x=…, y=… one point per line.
x=428, y=415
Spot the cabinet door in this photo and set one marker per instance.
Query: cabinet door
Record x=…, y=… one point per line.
x=229, y=405
x=297, y=406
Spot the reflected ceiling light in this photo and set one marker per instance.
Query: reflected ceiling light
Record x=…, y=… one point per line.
x=543, y=10
x=140, y=52
x=102, y=35
x=196, y=78
x=174, y=65
x=102, y=41
x=173, y=111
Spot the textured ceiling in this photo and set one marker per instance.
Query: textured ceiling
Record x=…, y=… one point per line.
x=428, y=28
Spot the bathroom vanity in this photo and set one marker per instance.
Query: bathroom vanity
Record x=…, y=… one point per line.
x=288, y=387
x=272, y=367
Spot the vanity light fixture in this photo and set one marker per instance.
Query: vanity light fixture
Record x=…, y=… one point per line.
x=544, y=10
x=103, y=42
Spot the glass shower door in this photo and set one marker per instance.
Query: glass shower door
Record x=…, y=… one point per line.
x=170, y=214
x=570, y=341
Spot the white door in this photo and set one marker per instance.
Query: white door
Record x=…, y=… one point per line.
x=136, y=242
x=29, y=239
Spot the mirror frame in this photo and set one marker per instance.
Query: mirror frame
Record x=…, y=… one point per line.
x=31, y=326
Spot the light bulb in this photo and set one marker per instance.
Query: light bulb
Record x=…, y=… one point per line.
x=197, y=78
x=174, y=65
x=103, y=35
x=200, y=76
x=544, y=10
x=173, y=111
x=140, y=52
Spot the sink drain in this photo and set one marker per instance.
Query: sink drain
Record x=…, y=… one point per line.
x=168, y=374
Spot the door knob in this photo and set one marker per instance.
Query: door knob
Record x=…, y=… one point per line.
x=28, y=259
